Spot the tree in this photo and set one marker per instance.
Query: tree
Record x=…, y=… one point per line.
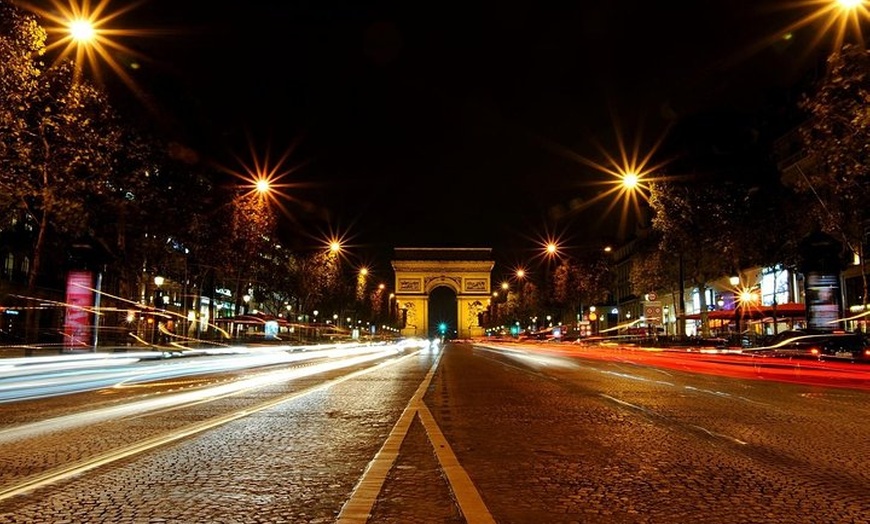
x=61, y=144
x=837, y=139
x=60, y=139
x=314, y=278
x=654, y=269
x=22, y=41
x=700, y=222
x=705, y=212
x=579, y=281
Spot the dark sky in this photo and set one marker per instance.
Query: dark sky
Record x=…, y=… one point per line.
x=439, y=123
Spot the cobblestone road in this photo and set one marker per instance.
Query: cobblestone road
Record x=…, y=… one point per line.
x=542, y=438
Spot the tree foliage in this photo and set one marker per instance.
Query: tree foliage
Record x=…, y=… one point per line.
x=654, y=269
x=836, y=138
x=581, y=280
x=61, y=141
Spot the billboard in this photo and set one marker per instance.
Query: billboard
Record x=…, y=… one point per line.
x=823, y=300
x=79, y=305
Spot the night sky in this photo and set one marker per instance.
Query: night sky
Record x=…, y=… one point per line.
x=450, y=123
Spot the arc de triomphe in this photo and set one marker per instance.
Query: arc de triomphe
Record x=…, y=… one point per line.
x=465, y=271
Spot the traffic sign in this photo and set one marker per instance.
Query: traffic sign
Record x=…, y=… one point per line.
x=652, y=310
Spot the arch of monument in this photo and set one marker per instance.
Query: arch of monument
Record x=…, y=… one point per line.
x=419, y=271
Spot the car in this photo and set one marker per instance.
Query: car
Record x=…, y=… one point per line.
x=823, y=345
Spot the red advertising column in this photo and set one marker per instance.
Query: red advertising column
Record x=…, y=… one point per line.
x=79, y=304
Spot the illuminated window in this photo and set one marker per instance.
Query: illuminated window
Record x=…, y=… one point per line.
x=774, y=285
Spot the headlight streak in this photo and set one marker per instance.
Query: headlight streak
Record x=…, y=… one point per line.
x=636, y=377
x=15, y=388
x=658, y=415
x=59, y=474
x=519, y=355
x=182, y=399
x=535, y=361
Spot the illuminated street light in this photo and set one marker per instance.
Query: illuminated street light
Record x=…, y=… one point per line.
x=263, y=186
x=81, y=30
x=849, y=4
x=832, y=17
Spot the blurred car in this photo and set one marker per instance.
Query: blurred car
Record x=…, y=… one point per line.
x=822, y=345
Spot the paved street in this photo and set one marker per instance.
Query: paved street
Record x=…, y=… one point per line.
x=489, y=435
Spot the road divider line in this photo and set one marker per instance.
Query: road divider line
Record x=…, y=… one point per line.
x=358, y=508
x=467, y=496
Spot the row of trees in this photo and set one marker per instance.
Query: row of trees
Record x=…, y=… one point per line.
x=728, y=206
x=722, y=202
x=82, y=186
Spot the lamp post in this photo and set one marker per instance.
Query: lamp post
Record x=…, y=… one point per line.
x=158, y=301
x=521, y=281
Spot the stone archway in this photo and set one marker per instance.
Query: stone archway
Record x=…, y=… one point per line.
x=465, y=271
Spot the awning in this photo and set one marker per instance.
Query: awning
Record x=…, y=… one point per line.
x=788, y=310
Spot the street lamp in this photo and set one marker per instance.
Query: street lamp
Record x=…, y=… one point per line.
x=263, y=186
x=158, y=292
x=552, y=249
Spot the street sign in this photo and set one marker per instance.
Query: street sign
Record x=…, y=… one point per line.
x=652, y=310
